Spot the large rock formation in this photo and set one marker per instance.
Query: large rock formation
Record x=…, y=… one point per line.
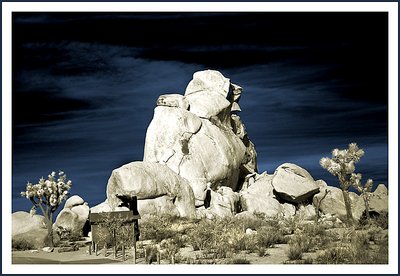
x=156, y=187
x=199, y=137
x=196, y=142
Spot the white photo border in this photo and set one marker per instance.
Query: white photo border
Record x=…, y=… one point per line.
x=9, y=7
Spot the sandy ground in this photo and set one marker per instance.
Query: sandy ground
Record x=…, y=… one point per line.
x=275, y=255
x=76, y=257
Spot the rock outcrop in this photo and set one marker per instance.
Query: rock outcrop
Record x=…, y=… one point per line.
x=31, y=230
x=203, y=141
x=378, y=201
x=74, y=216
x=197, y=145
x=156, y=187
x=23, y=222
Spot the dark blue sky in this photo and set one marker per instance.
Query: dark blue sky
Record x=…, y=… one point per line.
x=85, y=85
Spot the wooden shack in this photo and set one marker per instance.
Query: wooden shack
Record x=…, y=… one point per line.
x=107, y=226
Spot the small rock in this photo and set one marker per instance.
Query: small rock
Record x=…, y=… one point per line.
x=328, y=224
x=48, y=249
x=34, y=251
x=250, y=231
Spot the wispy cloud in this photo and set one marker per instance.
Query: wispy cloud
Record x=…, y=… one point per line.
x=83, y=104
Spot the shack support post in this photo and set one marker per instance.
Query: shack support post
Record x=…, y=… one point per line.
x=134, y=243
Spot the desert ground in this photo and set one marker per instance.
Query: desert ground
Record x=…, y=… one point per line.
x=166, y=240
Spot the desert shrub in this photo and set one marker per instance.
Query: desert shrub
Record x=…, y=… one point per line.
x=158, y=228
x=274, y=222
x=200, y=237
x=73, y=237
x=150, y=254
x=255, y=222
x=314, y=229
x=268, y=236
x=238, y=260
x=299, y=244
x=308, y=260
x=200, y=261
x=295, y=251
x=171, y=248
x=354, y=249
x=261, y=251
x=317, y=236
x=336, y=255
x=303, y=241
x=21, y=245
x=381, y=221
x=381, y=256
x=223, y=237
x=64, y=234
x=291, y=223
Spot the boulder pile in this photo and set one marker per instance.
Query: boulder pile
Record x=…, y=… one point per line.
x=199, y=161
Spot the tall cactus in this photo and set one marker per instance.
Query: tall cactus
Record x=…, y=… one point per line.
x=342, y=165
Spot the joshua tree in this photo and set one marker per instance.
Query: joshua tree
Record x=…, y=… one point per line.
x=48, y=195
x=365, y=190
x=342, y=166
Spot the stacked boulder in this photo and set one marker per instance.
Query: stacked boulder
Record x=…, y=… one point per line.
x=197, y=146
x=201, y=139
x=193, y=140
